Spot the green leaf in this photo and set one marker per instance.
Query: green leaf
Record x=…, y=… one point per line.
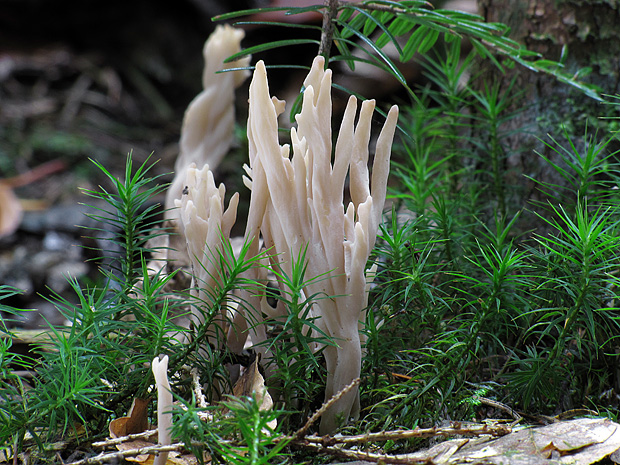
x=371, y=23
x=485, y=53
x=255, y=11
x=428, y=41
x=372, y=20
x=343, y=47
x=547, y=64
x=346, y=13
x=269, y=46
x=401, y=26
x=296, y=107
x=413, y=43
x=353, y=25
x=392, y=67
x=278, y=24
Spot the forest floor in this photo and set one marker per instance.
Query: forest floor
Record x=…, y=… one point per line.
x=78, y=85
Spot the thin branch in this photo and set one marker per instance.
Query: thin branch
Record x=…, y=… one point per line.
x=390, y=9
x=332, y=445
x=302, y=431
x=456, y=429
x=368, y=456
x=129, y=437
x=39, y=172
x=116, y=456
x=327, y=34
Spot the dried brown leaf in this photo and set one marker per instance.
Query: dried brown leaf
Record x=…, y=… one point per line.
x=10, y=210
x=138, y=416
x=253, y=383
x=582, y=441
x=137, y=422
x=118, y=428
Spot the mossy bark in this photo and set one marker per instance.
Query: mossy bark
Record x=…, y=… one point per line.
x=580, y=33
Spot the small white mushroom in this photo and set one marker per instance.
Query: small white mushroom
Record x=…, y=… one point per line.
x=164, y=406
x=206, y=225
x=209, y=121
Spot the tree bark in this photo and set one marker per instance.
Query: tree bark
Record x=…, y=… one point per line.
x=589, y=33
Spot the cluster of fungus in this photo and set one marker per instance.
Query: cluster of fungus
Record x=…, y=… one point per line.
x=296, y=206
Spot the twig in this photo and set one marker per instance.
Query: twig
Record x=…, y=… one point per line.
x=36, y=173
x=129, y=437
x=331, y=445
x=200, y=397
x=493, y=403
x=369, y=456
x=74, y=100
x=15, y=455
x=327, y=34
x=390, y=9
x=115, y=456
x=457, y=429
x=304, y=429
x=331, y=12
x=325, y=444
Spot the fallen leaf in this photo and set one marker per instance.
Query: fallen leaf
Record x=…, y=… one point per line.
x=138, y=416
x=10, y=210
x=252, y=383
x=578, y=442
x=185, y=459
x=137, y=422
x=118, y=429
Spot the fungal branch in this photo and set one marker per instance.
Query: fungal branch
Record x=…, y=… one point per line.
x=299, y=201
